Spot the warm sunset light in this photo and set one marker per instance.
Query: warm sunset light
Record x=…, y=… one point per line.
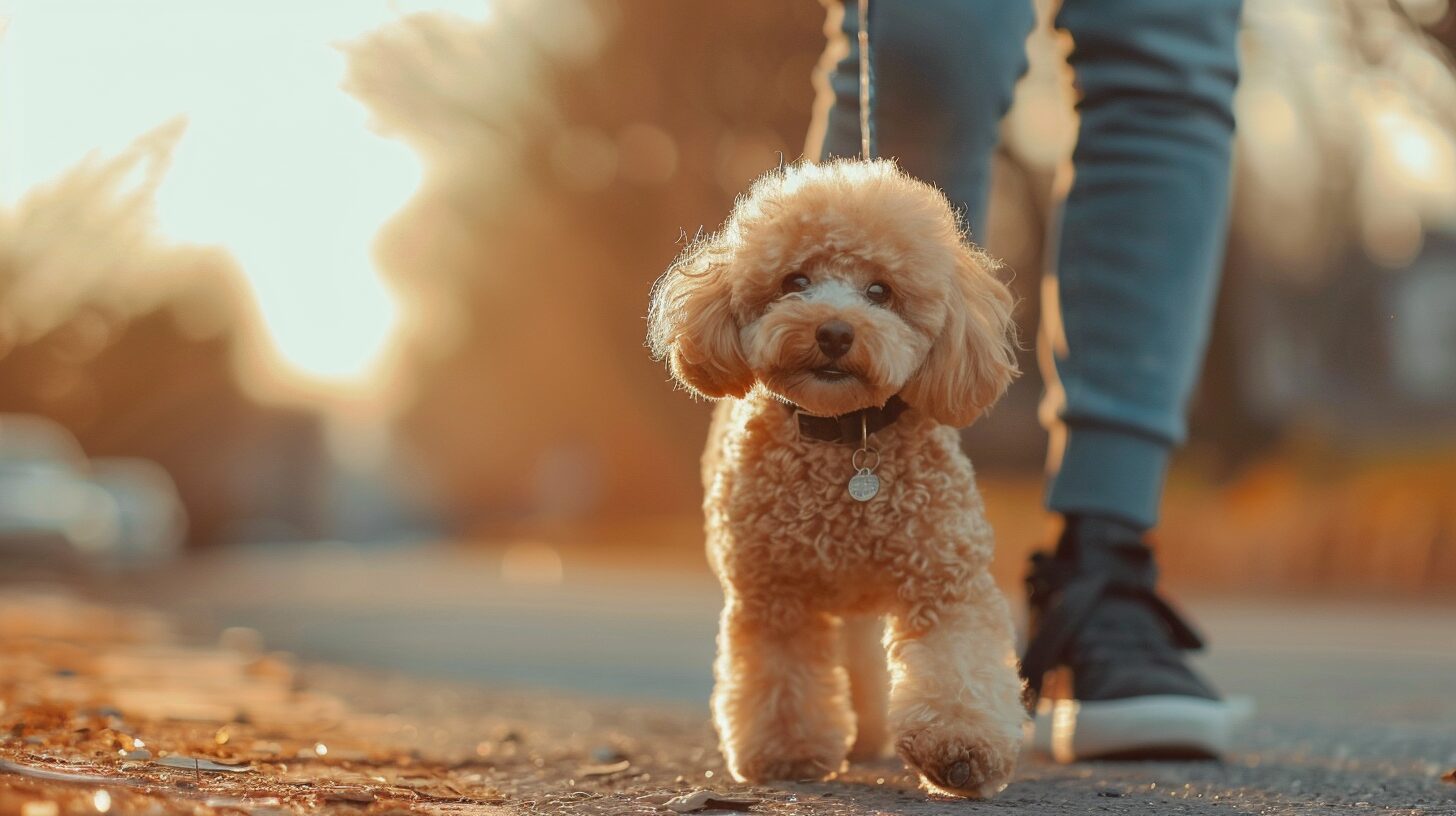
x=276, y=164
x=793, y=408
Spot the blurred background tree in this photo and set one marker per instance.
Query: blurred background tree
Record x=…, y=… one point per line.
x=567, y=147
x=129, y=341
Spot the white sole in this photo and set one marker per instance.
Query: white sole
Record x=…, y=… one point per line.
x=1170, y=726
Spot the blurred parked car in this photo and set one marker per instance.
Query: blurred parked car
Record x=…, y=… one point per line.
x=57, y=506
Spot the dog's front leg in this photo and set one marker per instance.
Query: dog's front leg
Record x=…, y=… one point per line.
x=780, y=700
x=869, y=685
x=955, y=698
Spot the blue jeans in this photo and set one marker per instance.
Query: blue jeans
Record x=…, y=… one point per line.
x=1141, y=233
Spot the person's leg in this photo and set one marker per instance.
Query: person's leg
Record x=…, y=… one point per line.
x=1141, y=236
x=943, y=75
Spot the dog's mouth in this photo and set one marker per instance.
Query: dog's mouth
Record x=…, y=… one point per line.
x=830, y=374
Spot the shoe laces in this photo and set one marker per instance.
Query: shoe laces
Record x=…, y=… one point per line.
x=1106, y=610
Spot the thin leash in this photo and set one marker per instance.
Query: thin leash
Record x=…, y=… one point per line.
x=864, y=79
x=864, y=484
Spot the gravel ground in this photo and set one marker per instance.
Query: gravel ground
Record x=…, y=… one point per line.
x=1283, y=767
x=79, y=699
x=1357, y=704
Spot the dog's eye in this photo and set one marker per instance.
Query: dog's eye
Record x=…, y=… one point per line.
x=878, y=293
x=795, y=283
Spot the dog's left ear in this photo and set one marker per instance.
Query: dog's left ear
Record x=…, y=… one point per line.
x=691, y=324
x=974, y=359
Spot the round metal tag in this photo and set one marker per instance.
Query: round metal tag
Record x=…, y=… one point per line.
x=863, y=486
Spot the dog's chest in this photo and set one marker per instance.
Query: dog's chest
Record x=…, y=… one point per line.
x=788, y=505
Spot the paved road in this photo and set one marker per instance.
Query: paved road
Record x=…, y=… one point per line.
x=1356, y=700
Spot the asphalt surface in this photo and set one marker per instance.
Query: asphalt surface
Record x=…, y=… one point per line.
x=1356, y=700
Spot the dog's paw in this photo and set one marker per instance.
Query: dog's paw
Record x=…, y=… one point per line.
x=767, y=768
x=959, y=761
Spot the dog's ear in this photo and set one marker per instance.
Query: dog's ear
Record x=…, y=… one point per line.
x=691, y=323
x=974, y=359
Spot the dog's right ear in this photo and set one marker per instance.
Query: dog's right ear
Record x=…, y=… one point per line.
x=974, y=359
x=691, y=323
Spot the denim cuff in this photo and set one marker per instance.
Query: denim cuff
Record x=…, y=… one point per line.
x=1108, y=471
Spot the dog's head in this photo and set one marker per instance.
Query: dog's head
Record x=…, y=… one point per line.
x=836, y=286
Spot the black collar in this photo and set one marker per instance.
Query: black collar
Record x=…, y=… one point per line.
x=848, y=428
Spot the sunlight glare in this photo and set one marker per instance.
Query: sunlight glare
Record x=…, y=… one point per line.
x=1419, y=153
x=277, y=164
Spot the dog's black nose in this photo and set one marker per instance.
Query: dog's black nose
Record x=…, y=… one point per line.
x=835, y=338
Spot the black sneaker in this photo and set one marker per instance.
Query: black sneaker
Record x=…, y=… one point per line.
x=1104, y=664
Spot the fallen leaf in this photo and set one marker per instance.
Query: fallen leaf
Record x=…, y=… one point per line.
x=188, y=763
x=61, y=776
x=1449, y=776
x=604, y=770
x=707, y=800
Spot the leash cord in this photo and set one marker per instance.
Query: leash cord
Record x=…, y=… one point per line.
x=864, y=78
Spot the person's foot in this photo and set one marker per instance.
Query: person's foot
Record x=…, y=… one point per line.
x=1104, y=663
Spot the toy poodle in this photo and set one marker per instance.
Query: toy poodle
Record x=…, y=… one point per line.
x=849, y=328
